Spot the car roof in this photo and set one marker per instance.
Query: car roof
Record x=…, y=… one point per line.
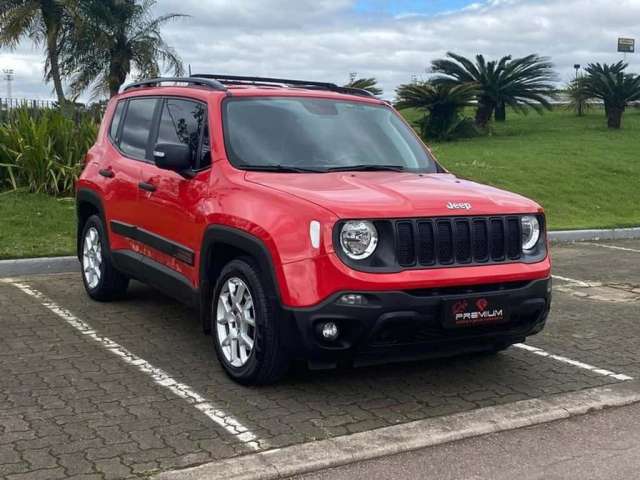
x=245, y=87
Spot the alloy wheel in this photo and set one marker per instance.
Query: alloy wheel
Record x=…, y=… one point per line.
x=236, y=322
x=92, y=258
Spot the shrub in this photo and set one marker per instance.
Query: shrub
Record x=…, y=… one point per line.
x=441, y=106
x=43, y=151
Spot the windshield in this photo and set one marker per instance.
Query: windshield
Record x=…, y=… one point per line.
x=309, y=134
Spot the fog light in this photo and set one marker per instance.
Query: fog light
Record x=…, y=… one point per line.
x=352, y=299
x=329, y=331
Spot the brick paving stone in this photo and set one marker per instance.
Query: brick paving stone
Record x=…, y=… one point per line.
x=76, y=464
x=68, y=404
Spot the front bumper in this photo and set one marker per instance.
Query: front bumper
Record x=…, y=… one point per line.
x=402, y=325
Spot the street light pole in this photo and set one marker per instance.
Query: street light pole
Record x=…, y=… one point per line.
x=577, y=67
x=8, y=76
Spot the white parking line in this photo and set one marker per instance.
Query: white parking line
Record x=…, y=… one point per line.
x=579, y=283
x=613, y=247
x=159, y=376
x=575, y=363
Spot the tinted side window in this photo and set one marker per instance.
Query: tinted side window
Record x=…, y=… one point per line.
x=115, y=121
x=136, y=128
x=181, y=122
x=205, y=153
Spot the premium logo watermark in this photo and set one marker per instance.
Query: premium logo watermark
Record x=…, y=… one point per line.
x=480, y=314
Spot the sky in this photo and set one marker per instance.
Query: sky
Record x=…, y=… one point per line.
x=394, y=41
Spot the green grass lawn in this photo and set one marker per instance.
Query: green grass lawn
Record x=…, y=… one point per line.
x=36, y=225
x=585, y=175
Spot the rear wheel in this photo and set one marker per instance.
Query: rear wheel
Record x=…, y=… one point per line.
x=244, y=326
x=101, y=279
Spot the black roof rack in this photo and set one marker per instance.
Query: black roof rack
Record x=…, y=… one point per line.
x=235, y=79
x=203, y=82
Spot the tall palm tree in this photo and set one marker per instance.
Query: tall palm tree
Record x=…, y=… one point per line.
x=615, y=88
x=368, y=84
x=113, y=37
x=43, y=22
x=518, y=83
x=441, y=105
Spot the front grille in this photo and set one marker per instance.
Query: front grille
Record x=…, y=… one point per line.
x=457, y=241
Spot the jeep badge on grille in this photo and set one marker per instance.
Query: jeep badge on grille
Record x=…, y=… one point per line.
x=458, y=206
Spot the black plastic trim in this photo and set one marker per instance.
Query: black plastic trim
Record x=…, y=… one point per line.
x=162, y=244
x=529, y=303
x=284, y=81
x=199, y=81
x=217, y=235
x=222, y=234
x=149, y=271
x=84, y=195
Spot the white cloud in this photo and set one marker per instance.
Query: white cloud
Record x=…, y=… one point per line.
x=327, y=40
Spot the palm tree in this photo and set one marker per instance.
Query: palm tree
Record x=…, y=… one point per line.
x=368, y=84
x=43, y=22
x=518, y=83
x=579, y=96
x=441, y=105
x=615, y=88
x=113, y=37
x=595, y=69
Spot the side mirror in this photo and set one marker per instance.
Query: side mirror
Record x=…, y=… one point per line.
x=172, y=156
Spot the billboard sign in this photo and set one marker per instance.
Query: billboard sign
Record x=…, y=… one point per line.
x=626, y=45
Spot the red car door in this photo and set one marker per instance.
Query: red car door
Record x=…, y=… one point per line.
x=128, y=149
x=172, y=202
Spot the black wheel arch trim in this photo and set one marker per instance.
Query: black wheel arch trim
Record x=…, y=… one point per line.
x=87, y=196
x=240, y=239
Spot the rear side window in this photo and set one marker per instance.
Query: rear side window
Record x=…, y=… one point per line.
x=115, y=121
x=184, y=121
x=134, y=138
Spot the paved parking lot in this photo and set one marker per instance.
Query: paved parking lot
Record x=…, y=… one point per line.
x=131, y=388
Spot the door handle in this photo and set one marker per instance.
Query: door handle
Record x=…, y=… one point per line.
x=147, y=187
x=107, y=172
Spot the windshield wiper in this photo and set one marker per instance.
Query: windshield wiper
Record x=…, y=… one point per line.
x=366, y=168
x=281, y=168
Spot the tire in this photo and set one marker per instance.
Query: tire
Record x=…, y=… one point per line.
x=241, y=297
x=100, y=278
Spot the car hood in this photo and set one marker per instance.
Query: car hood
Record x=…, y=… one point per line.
x=394, y=194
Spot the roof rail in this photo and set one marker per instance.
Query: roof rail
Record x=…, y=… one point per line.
x=234, y=79
x=203, y=82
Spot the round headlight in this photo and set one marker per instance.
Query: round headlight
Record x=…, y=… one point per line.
x=358, y=239
x=530, y=232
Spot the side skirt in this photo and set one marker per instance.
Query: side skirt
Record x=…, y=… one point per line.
x=148, y=271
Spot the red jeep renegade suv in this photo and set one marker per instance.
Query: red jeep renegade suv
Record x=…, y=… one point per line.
x=304, y=220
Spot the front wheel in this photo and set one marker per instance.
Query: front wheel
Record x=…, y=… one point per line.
x=244, y=325
x=101, y=279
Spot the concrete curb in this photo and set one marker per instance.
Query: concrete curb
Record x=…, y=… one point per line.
x=33, y=266
x=314, y=456
x=590, y=235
